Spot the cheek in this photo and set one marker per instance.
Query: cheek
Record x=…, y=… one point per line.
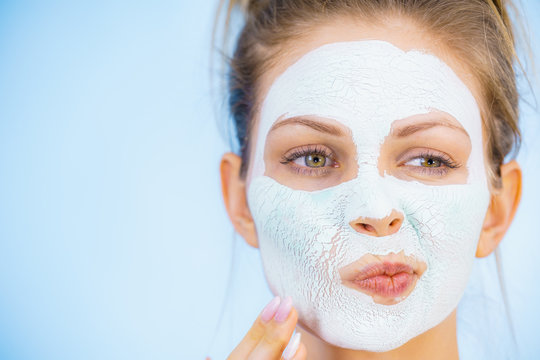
x=447, y=221
x=300, y=238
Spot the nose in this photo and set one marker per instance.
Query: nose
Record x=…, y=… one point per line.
x=378, y=227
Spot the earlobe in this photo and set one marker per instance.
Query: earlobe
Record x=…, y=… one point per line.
x=233, y=188
x=502, y=208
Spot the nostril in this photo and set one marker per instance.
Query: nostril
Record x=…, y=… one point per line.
x=368, y=228
x=379, y=227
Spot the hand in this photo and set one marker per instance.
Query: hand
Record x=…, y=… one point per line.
x=270, y=334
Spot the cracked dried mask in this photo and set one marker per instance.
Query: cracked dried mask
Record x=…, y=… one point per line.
x=305, y=237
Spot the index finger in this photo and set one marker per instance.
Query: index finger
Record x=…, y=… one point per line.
x=267, y=329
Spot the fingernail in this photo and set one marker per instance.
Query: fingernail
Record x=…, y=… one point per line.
x=292, y=348
x=284, y=309
x=269, y=310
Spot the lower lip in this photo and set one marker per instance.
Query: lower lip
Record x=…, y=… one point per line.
x=385, y=285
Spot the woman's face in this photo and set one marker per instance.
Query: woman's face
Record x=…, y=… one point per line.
x=367, y=182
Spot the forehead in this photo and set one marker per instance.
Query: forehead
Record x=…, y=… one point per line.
x=366, y=85
x=360, y=82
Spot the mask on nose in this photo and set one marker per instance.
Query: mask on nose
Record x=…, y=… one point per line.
x=306, y=237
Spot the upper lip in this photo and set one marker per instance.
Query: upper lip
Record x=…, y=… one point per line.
x=381, y=268
x=389, y=265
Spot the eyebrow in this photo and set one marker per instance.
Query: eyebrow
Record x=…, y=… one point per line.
x=315, y=125
x=414, y=128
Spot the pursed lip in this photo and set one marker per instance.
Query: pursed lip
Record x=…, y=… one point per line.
x=387, y=279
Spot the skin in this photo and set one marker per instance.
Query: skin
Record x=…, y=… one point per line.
x=268, y=340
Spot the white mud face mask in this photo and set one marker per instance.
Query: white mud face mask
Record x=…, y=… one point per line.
x=305, y=237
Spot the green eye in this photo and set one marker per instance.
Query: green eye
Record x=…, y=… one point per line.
x=315, y=160
x=311, y=160
x=430, y=162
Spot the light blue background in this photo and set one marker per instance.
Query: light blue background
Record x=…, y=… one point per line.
x=114, y=243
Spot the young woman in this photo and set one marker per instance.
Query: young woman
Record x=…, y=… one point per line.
x=371, y=169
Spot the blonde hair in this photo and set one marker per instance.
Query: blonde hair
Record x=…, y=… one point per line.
x=478, y=32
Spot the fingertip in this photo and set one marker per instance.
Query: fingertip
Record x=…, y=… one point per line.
x=292, y=347
x=293, y=316
x=270, y=309
x=284, y=310
x=301, y=353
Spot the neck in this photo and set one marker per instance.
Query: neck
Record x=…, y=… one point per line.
x=438, y=343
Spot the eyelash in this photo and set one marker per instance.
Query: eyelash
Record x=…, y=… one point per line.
x=446, y=163
x=304, y=151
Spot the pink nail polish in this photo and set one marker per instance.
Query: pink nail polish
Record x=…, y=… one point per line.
x=292, y=348
x=269, y=310
x=284, y=309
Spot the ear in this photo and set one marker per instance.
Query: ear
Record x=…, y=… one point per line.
x=234, y=195
x=502, y=208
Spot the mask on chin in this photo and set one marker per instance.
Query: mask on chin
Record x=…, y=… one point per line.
x=306, y=238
